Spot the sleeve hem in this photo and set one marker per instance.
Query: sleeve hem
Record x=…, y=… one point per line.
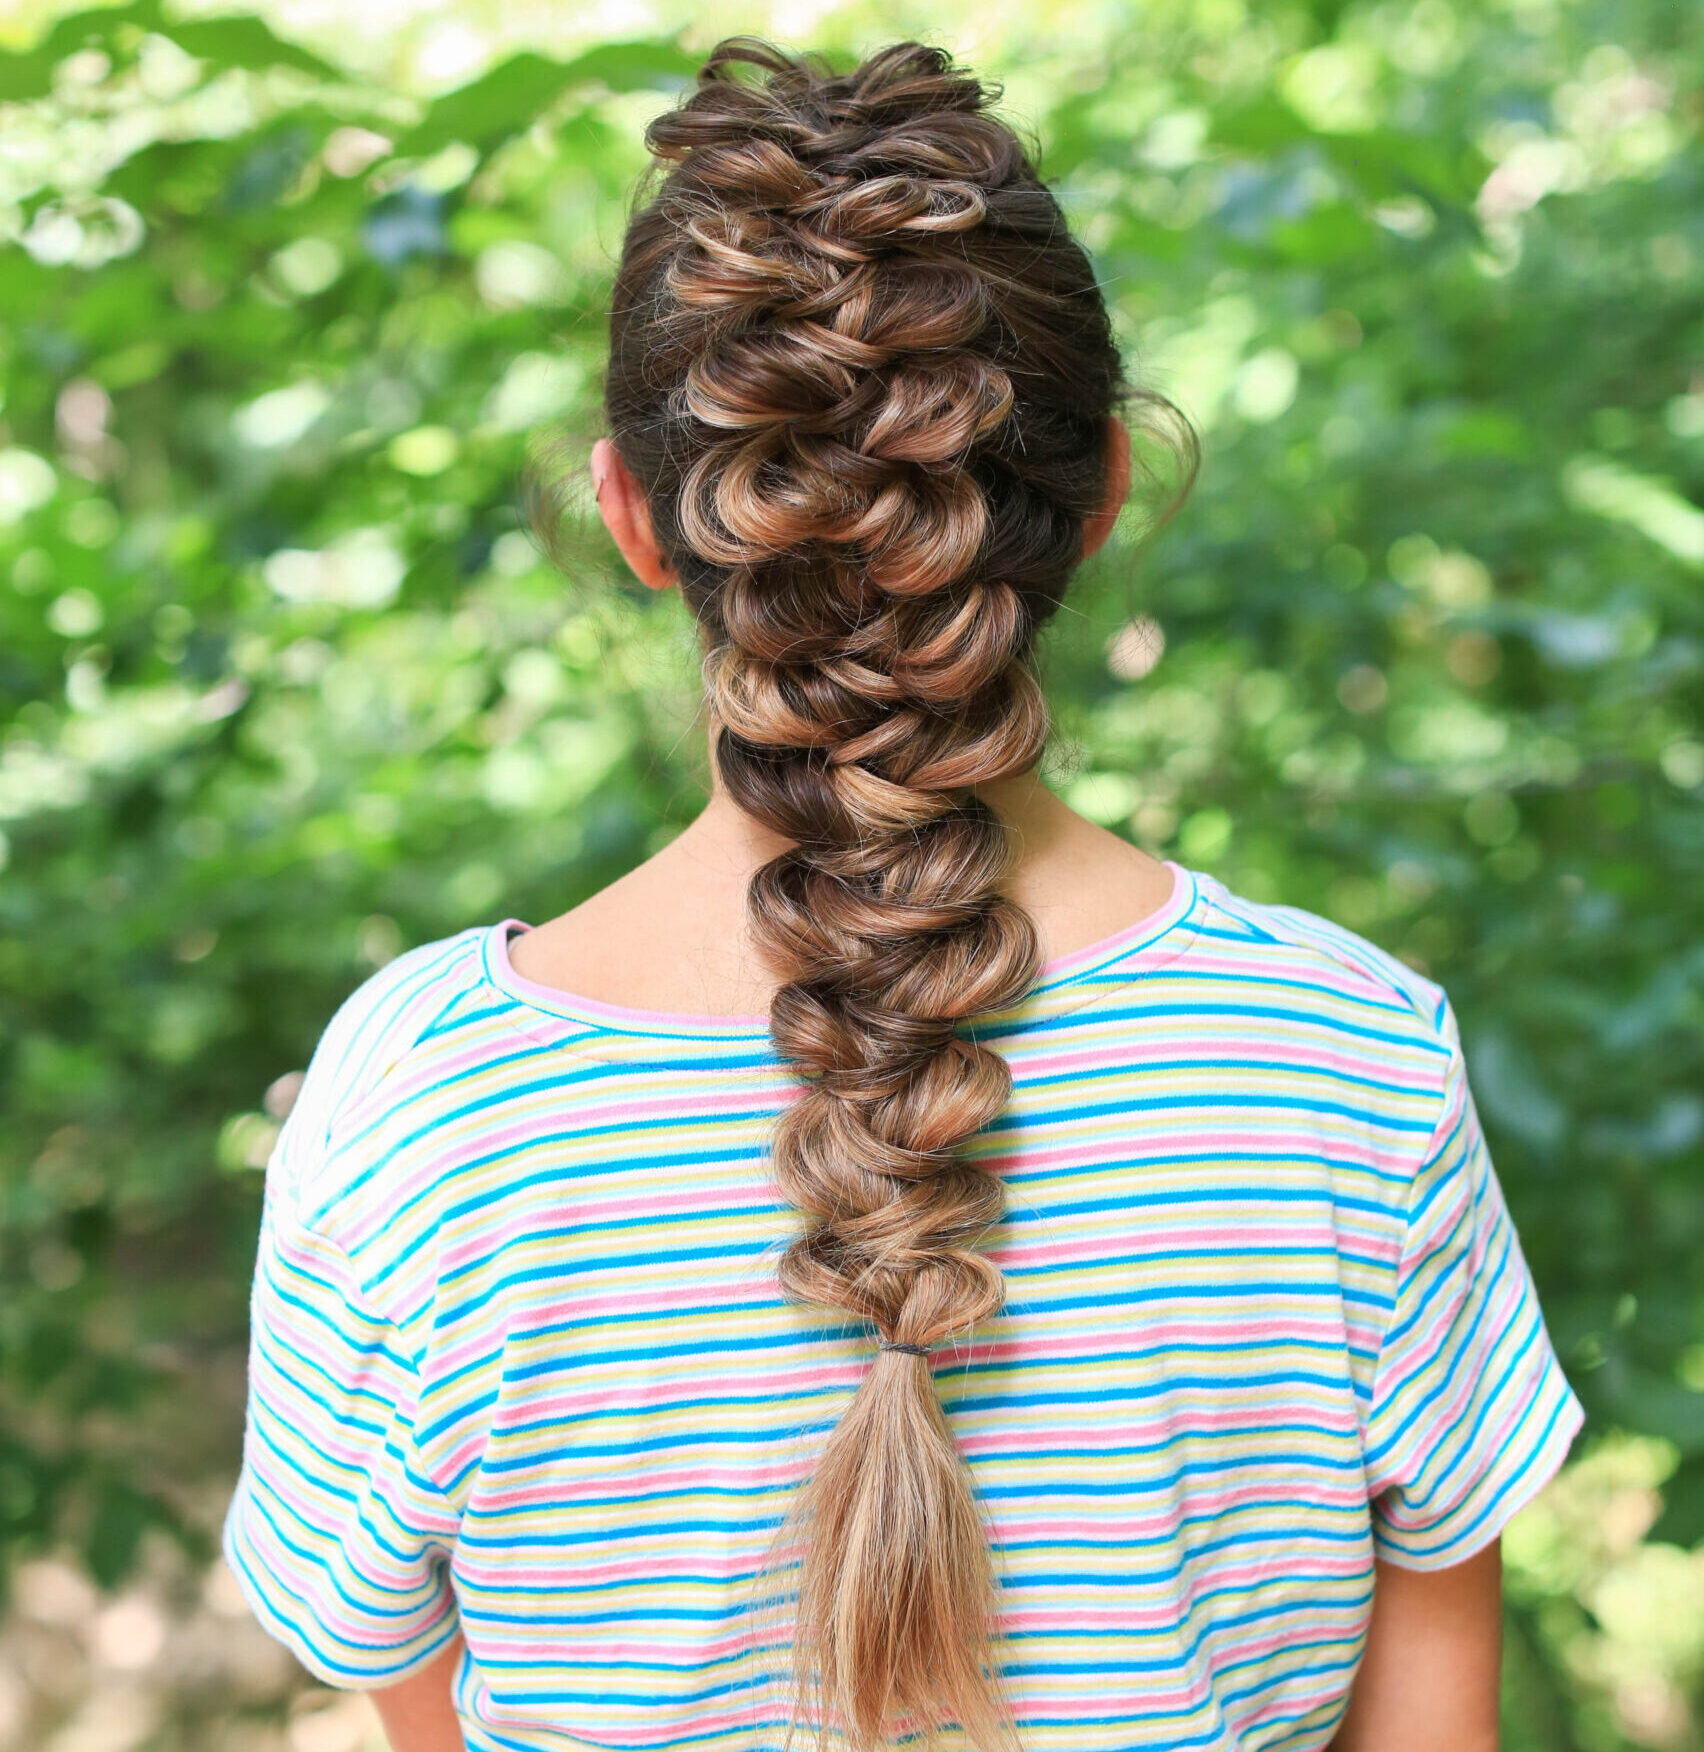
x=290, y=1634
x=1542, y=1466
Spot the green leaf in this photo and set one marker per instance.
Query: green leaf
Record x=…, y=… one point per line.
x=1262, y=126
x=511, y=97
x=30, y=75
x=1326, y=236
x=121, y=1516
x=247, y=42
x=1383, y=163
x=226, y=42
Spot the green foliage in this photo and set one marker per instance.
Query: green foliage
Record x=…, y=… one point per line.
x=286, y=684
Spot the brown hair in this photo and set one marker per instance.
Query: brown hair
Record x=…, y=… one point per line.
x=863, y=374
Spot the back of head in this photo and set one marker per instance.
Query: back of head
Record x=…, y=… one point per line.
x=864, y=374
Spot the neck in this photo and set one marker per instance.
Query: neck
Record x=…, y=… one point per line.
x=685, y=912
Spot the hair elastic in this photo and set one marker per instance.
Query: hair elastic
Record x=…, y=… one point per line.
x=916, y=1350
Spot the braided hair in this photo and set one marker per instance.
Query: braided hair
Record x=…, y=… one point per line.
x=863, y=374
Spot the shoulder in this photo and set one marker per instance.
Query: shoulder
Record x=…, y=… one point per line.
x=371, y=1033
x=1340, y=975
x=1382, y=1035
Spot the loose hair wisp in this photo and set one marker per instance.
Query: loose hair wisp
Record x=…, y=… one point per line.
x=863, y=374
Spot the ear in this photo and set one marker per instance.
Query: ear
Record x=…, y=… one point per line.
x=621, y=504
x=1117, y=490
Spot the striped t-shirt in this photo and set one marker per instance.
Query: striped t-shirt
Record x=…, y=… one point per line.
x=520, y=1366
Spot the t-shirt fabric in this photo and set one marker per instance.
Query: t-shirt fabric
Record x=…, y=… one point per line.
x=520, y=1367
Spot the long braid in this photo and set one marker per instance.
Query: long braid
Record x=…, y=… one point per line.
x=863, y=374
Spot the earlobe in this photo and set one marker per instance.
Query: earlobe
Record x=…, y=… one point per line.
x=1099, y=527
x=621, y=505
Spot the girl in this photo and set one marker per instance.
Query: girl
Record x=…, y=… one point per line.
x=901, y=1262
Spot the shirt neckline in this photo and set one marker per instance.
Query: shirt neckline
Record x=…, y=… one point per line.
x=1050, y=991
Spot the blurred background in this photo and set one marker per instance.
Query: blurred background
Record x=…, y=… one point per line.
x=301, y=326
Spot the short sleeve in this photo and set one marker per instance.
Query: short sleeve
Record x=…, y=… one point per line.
x=1471, y=1413
x=336, y=1534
